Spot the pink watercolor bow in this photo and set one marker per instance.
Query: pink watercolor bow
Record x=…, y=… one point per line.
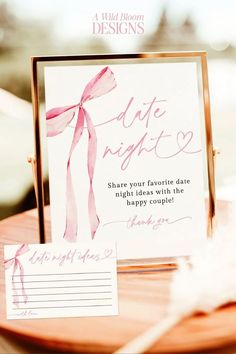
x=57, y=120
x=14, y=260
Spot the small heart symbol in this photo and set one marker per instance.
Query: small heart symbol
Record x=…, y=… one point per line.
x=108, y=253
x=183, y=139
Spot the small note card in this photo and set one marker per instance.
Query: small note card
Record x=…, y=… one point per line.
x=60, y=280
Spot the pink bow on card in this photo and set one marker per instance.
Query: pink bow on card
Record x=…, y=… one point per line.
x=17, y=265
x=57, y=120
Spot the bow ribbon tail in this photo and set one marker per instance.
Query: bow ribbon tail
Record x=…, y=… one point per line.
x=70, y=233
x=16, y=264
x=25, y=297
x=15, y=295
x=92, y=153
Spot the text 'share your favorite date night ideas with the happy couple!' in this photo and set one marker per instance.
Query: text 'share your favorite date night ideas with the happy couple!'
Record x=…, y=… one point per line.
x=126, y=156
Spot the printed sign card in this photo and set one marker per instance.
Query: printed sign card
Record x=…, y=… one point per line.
x=58, y=280
x=126, y=153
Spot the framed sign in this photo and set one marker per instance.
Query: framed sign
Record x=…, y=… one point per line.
x=128, y=143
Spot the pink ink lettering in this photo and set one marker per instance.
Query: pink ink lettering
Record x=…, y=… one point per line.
x=126, y=154
x=151, y=111
x=153, y=222
x=39, y=257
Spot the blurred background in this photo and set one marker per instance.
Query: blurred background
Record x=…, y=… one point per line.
x=65, y=27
